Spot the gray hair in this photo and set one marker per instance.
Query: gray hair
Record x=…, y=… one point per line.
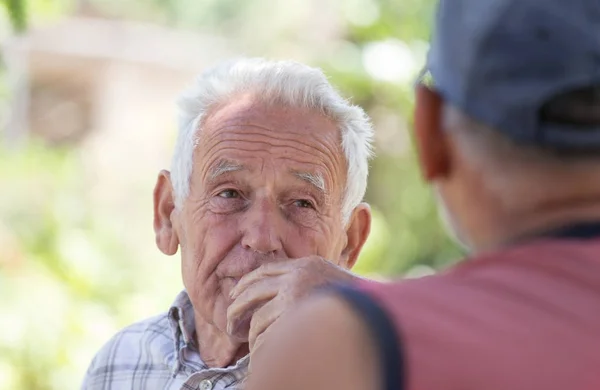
x=484, y=145
x=517, y=174
x=283, y=82
x=578, y=108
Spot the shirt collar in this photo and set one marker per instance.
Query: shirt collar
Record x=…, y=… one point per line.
x=181, y=319
x=183, y=329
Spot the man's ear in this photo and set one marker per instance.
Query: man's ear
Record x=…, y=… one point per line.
x=357, y=233
x=164, y=208
x=431, y=140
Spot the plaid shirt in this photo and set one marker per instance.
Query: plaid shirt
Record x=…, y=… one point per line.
x=160, y=353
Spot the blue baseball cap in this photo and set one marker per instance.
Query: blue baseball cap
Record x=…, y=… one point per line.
x=501, y=61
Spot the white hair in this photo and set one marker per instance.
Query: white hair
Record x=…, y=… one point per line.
x=282, y=82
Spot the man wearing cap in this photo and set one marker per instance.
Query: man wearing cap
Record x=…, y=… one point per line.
x=508, y=135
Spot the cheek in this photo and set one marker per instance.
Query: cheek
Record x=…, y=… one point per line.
x=196, y=274
x=320, y=240
x=206, y=246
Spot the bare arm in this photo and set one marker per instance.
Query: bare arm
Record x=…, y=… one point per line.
x=321, y=345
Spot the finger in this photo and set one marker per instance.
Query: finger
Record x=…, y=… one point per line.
x=269, y=269
x=239, y=327
x=263, y=318
x=243, y=306
x=260, y=291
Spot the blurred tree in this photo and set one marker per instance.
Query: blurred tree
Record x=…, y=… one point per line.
x=16, y=13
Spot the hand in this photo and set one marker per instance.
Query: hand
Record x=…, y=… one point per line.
x=261, y=296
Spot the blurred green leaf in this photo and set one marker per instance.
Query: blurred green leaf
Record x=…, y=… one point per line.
x=17, y=13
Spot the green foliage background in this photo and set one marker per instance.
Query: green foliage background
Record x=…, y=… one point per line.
x=66, y=281
x=16, y=13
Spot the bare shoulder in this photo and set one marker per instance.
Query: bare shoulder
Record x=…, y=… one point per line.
x=323, y=343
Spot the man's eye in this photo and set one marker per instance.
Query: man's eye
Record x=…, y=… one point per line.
x=229, y=194
x=303, y=203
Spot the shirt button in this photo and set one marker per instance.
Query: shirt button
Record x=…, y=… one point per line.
x=206, y=385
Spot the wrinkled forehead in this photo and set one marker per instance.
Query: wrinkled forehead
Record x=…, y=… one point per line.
x=250, y=109
x=245, y=128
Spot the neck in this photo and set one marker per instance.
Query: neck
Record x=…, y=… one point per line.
x=216, y=348
x=545, y=218
x=497, y=208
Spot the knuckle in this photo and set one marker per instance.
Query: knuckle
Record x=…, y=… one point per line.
x=315, y=261
x=305, y=275
x=299, y=278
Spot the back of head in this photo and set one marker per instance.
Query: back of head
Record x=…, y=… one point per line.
x=520, y=83
x=529, y=69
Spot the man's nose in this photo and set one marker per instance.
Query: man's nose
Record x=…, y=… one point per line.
x=262, y=228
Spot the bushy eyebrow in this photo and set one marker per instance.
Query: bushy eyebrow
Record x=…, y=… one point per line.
x=315, y=179
x=226, y=166
x=223, y=167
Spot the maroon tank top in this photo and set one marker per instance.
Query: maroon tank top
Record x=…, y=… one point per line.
x=524, y=318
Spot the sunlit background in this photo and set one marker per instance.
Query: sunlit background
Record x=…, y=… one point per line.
x=87, y=119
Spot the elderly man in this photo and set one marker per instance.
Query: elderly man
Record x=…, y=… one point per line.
x=263, y=202
x=508, y=132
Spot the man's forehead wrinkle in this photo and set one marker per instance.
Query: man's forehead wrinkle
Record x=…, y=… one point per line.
x=278, y=132
x=207, y=157
x=218, y=132
x=226, y=148
x=270, y=120
x=300, y=144
x=326, y=166
x=235, y=132
x=272, y=123
x=336, y=152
